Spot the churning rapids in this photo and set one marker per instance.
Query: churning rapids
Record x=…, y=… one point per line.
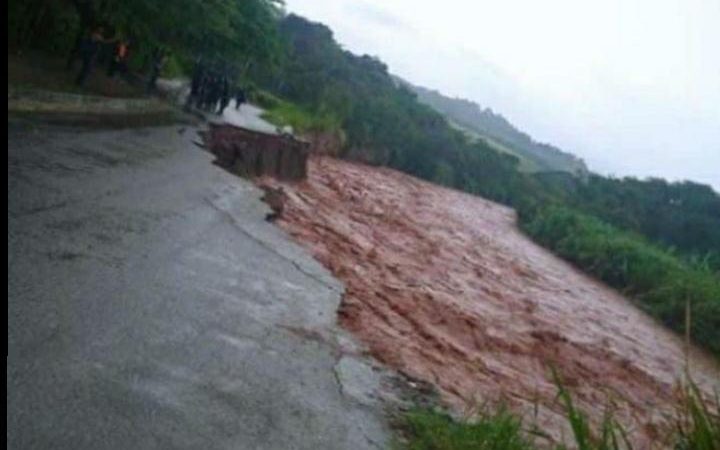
x=442, y=286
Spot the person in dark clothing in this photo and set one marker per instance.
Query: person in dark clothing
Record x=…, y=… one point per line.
x=213, y=93
x=205, y=88
x=239, y=98
x=224, y=94
x=158, y=62
x=89, y=48
x=194, y=97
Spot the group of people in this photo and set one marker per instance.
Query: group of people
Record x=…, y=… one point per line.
x=211, y=90
x=94, y=48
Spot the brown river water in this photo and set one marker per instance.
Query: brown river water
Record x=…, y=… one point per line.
x=444, y=287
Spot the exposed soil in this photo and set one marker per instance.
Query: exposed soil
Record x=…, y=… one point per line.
x=442, y=286
x=251, y=153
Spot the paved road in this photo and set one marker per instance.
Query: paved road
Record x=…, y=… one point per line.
x=247, y=116
x=151, y=306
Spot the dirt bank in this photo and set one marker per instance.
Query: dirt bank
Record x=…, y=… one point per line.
x=443, y=286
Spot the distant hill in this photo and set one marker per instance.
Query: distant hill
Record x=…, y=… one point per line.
x=499, y=133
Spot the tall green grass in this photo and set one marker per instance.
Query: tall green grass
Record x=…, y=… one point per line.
x=696, y=427
x=428, y=429
x=698, y=421
x=280, y=112
x=610, y=435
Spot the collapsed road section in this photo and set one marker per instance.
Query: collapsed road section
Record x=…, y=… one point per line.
x=251, y=153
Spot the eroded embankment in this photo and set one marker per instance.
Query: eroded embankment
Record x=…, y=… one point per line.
x=442, y=286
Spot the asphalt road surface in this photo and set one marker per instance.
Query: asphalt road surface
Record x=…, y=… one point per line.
x=151, y=306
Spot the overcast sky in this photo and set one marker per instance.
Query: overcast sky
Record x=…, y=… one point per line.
x=631, y=86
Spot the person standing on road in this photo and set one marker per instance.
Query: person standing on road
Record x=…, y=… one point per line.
x=239, y=97
x=224, y=94
x=213, y=93
x=205, y=85
x=194, y=98
x=158, y=62
x=89, y=48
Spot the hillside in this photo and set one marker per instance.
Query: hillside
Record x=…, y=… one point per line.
x=385, y=123
x=484, y=123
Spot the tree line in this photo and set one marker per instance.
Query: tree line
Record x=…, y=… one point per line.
x=239, y=32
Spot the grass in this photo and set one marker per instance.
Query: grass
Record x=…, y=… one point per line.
x=610, y=435
x=282, y=113
x=428, y=429
x=697, y=427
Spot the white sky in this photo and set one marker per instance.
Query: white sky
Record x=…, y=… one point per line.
x=632, y=86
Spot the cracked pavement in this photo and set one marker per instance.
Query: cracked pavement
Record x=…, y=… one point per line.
x=151, y=306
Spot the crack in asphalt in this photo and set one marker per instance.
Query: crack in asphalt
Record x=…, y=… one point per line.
x=267, y=246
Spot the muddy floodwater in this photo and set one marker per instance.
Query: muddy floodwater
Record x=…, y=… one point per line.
x=443, y=287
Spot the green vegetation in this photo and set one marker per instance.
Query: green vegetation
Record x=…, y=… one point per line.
x=660, y=282
x=696, y=427
x=684, y=216
x=383, y=121
x=428, y=429
x=241, y=33
x=698, y=421
x=525, y=164
x=280, y=112
x=609, y=436
x=489, y=125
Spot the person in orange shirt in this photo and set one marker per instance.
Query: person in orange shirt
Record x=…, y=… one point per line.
x=118, y=63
